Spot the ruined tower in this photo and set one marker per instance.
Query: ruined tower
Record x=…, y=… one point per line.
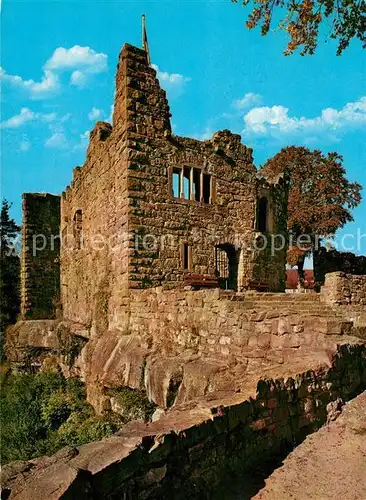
x=149, y=208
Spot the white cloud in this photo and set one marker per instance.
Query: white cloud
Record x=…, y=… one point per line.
x=171, y=80
x=259, y=119
x=85, y=135
x=49, y=84
x=249, y=99
x=83, y=141
x=48, y=117
x=84, y=138
x=24, y=144
x=82, y=61
x=65, y=117
x=266, y=120
x=205, y=135
x=57, y=141
x=77, y=57
x=78, y=78
x=94, y=114
x=110, y=117
x=27, y=115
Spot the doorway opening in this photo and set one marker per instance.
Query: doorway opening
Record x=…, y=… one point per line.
x=226, y=268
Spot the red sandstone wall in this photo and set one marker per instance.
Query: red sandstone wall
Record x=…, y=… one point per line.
x=92, y=274
x=40, y=266
x=229, y=219
x=208, y=340
x=344, y=289
x=124, y=190
x=224, y=325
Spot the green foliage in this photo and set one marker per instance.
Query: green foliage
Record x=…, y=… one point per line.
x=43, y=412
x=56, y=409
x=78, y=430
x=134, y=404
x=9, y=270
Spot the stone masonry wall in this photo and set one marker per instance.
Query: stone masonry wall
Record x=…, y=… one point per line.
x=344, y=289
x=170, y=221
x=204, y=341
x=133, y=229
x=236, y=439
x=330, y=261
x=94, y=260
x=40, y=263
x=214, y=323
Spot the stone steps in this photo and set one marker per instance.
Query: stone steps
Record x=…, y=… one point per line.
x=305, y=309
x=296, y=308
x=283, y=297
x=303, y=315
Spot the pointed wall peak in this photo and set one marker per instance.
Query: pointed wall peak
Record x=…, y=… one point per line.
x=140, y=104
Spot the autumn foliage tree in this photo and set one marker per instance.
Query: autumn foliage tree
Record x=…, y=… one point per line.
x=320, y=197
x=302, y=20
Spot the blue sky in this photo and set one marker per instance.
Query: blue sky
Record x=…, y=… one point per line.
x=58, y=66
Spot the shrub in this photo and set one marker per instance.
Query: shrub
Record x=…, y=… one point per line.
x=43, y=412
x=133, y=404
x=79, y=430
x=56, y=409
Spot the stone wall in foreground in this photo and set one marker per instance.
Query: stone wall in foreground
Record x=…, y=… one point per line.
x=197, y=449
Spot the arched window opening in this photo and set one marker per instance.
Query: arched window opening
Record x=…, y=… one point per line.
x=227, y=266
x=262, y=215
x=78, y=229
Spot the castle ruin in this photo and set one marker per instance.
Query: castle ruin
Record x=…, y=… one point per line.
x=147, y=209
x=149, y=273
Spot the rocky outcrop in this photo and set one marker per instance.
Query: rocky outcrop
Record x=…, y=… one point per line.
x=45, y=345
x=196, y=447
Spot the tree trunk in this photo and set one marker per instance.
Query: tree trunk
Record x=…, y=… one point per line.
x=300, y=270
